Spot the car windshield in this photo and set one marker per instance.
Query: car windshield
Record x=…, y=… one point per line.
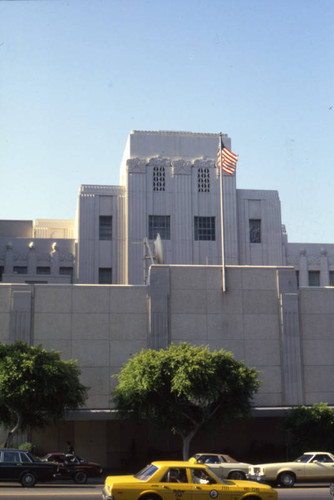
x=207, y=459
x=146, y=472
x=32, y=457
x=304, y=458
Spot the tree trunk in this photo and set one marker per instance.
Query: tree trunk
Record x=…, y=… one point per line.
x=13, y=431
x=186, y=440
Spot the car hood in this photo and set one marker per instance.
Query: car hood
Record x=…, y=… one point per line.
x=279, y=464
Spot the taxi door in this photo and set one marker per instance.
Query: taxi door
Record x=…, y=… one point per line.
x=175, y=485
x=212, y=492
x=209, y=490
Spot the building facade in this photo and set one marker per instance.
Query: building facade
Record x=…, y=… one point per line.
x=169, y=185
x=91, y=288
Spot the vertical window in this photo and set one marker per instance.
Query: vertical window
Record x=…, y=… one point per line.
x=105, y=228
x=1, y=272
x=255, y=230
x=297, y=278
x=314, y=278
x=159, y=224
x=203, y=180
x=105, y=276
x=159, y=179
x=331, y=278
x=205, y=229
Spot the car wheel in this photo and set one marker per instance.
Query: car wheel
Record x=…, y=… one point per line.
x=80, y=477
x=150, y=496
x=236, y=475
x=286, y=479
x=28, y=479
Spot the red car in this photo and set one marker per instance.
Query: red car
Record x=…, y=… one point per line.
x=73, y=467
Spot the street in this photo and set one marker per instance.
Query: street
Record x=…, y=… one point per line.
x=93, y=492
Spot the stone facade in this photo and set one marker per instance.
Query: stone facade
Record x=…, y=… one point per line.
x=87, y=288
x=262, y=318
x=170, y=184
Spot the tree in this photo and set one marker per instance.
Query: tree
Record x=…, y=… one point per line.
x=182, y=387
x=36, y=387
x=310, y=428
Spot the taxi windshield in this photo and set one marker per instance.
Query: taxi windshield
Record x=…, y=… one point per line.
x=146, y=472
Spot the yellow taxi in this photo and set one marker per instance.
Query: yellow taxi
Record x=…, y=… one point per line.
x=176, y=480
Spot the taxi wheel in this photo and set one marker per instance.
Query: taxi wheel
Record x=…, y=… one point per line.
x=150, y=496
x=236, y=475
x=286, y=479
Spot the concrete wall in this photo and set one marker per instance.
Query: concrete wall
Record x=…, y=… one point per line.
x=317, y=327
x=263, y=319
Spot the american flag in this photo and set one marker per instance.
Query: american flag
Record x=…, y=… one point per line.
x=228, y=159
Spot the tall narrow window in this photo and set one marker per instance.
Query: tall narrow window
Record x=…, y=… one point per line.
x=255, y=230
x=203, y=180
x=331, y=278
x=159, y=179
x=314, y=278
x=205, y=228
x=159, y=224
x=105, y=228
x=105, y=275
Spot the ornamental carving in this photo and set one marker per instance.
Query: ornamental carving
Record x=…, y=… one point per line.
x=203, y=163
x=136, y=166
x=181, y=167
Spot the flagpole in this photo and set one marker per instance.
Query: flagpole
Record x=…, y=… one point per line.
x=222, y=211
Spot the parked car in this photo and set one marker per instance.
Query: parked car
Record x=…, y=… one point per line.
x=312, y=466
x=166, y=480
x=223, y=465
x=73, y=467
x=21, y=466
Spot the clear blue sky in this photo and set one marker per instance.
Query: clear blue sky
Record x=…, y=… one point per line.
x=76, y=76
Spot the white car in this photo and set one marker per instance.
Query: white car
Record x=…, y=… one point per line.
x=223, y=465
x=313, y=466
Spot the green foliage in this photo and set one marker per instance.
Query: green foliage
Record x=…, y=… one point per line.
x=27, y=447
x=182, y=387
x=36, y=386
x=310, y=429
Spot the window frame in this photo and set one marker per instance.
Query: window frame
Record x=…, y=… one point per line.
x=204, y=228
x=159, y=224
x=255, y=231
x=313, y=278
x=105, y=281
x=105, y=229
